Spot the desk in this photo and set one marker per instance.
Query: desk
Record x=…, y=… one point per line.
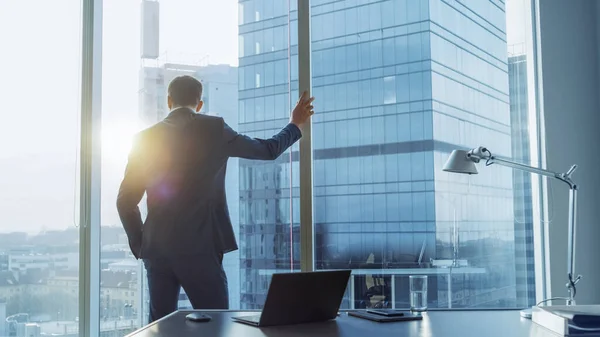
x=434, y=324
x=448, y=272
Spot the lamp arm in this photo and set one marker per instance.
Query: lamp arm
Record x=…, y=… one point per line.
x=482, y=153
x=522, y=167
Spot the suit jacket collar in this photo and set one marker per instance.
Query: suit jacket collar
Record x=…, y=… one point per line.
x=179, y=116
x=181, y=112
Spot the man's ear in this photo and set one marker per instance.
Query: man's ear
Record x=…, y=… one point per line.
x=169, y=102
x=199, y=106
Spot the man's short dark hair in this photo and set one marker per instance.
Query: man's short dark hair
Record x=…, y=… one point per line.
x=185, y=91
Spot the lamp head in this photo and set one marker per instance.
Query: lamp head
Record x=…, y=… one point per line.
x=461, y=161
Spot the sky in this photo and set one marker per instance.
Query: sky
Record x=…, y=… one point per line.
x=40, y=61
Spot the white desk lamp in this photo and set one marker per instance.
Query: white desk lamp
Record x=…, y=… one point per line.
x=461, y=161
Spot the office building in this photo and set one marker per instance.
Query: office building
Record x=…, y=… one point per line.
x=399, y=85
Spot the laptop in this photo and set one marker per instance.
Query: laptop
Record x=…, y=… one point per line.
x=295, y=298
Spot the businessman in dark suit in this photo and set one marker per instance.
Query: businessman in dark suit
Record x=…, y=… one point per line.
x=180, y=164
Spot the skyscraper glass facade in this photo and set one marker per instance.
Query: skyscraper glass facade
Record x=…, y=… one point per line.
x=399, y=84
x=269, y=199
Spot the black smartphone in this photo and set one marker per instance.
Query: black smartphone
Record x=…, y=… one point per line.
x=198, y=317
x=386, y=312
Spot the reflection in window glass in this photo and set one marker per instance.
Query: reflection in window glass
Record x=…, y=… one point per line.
x=279, y=8
x=293, y=34
x=269, y=74
x=268, y=9
x=269, y=44
x=389, y=87
x=259, y=110
x=402, y=88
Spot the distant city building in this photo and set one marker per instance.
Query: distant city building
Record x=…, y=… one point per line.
x=128, y=265
x=109, y=257
x=22, y=262
x=28, y=330
x=119, y=294
x=12, y=240
x=4, y=265
x=9, y=287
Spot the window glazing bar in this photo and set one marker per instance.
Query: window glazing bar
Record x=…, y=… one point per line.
x=539, y=184
x=306, y=176
x=90, y=151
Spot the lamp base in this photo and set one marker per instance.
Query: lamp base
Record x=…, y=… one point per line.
x=526, y=313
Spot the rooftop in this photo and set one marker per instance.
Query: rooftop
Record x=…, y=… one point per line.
x=117, y=279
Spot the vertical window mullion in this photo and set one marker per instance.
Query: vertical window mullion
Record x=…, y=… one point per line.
x=89, y=243
x=306, y=181
x=539, y=185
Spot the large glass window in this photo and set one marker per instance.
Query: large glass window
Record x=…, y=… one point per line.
x=434, y=80
x=399, y=84
x=244, y=67
x=39, y=167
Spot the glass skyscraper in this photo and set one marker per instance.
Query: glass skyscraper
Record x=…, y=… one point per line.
x=399, y=84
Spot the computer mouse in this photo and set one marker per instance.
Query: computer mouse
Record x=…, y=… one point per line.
x=198, y=317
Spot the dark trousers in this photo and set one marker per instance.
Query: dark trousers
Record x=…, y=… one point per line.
x=202, y=277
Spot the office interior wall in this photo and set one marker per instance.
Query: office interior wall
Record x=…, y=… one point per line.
x=571, y=102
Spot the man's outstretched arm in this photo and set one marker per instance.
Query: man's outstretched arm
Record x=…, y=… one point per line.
x=241, y=146
x=130, y=194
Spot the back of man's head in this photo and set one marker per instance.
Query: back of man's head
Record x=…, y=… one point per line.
x=184, y=91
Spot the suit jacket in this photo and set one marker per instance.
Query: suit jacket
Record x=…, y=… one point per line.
x=180, y=164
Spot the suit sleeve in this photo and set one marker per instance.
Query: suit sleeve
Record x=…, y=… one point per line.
x=130, y=194
x=241, y=146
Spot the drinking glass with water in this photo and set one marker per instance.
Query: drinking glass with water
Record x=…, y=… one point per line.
x=418, y=293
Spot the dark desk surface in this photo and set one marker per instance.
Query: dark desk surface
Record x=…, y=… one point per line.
x=436, y=323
